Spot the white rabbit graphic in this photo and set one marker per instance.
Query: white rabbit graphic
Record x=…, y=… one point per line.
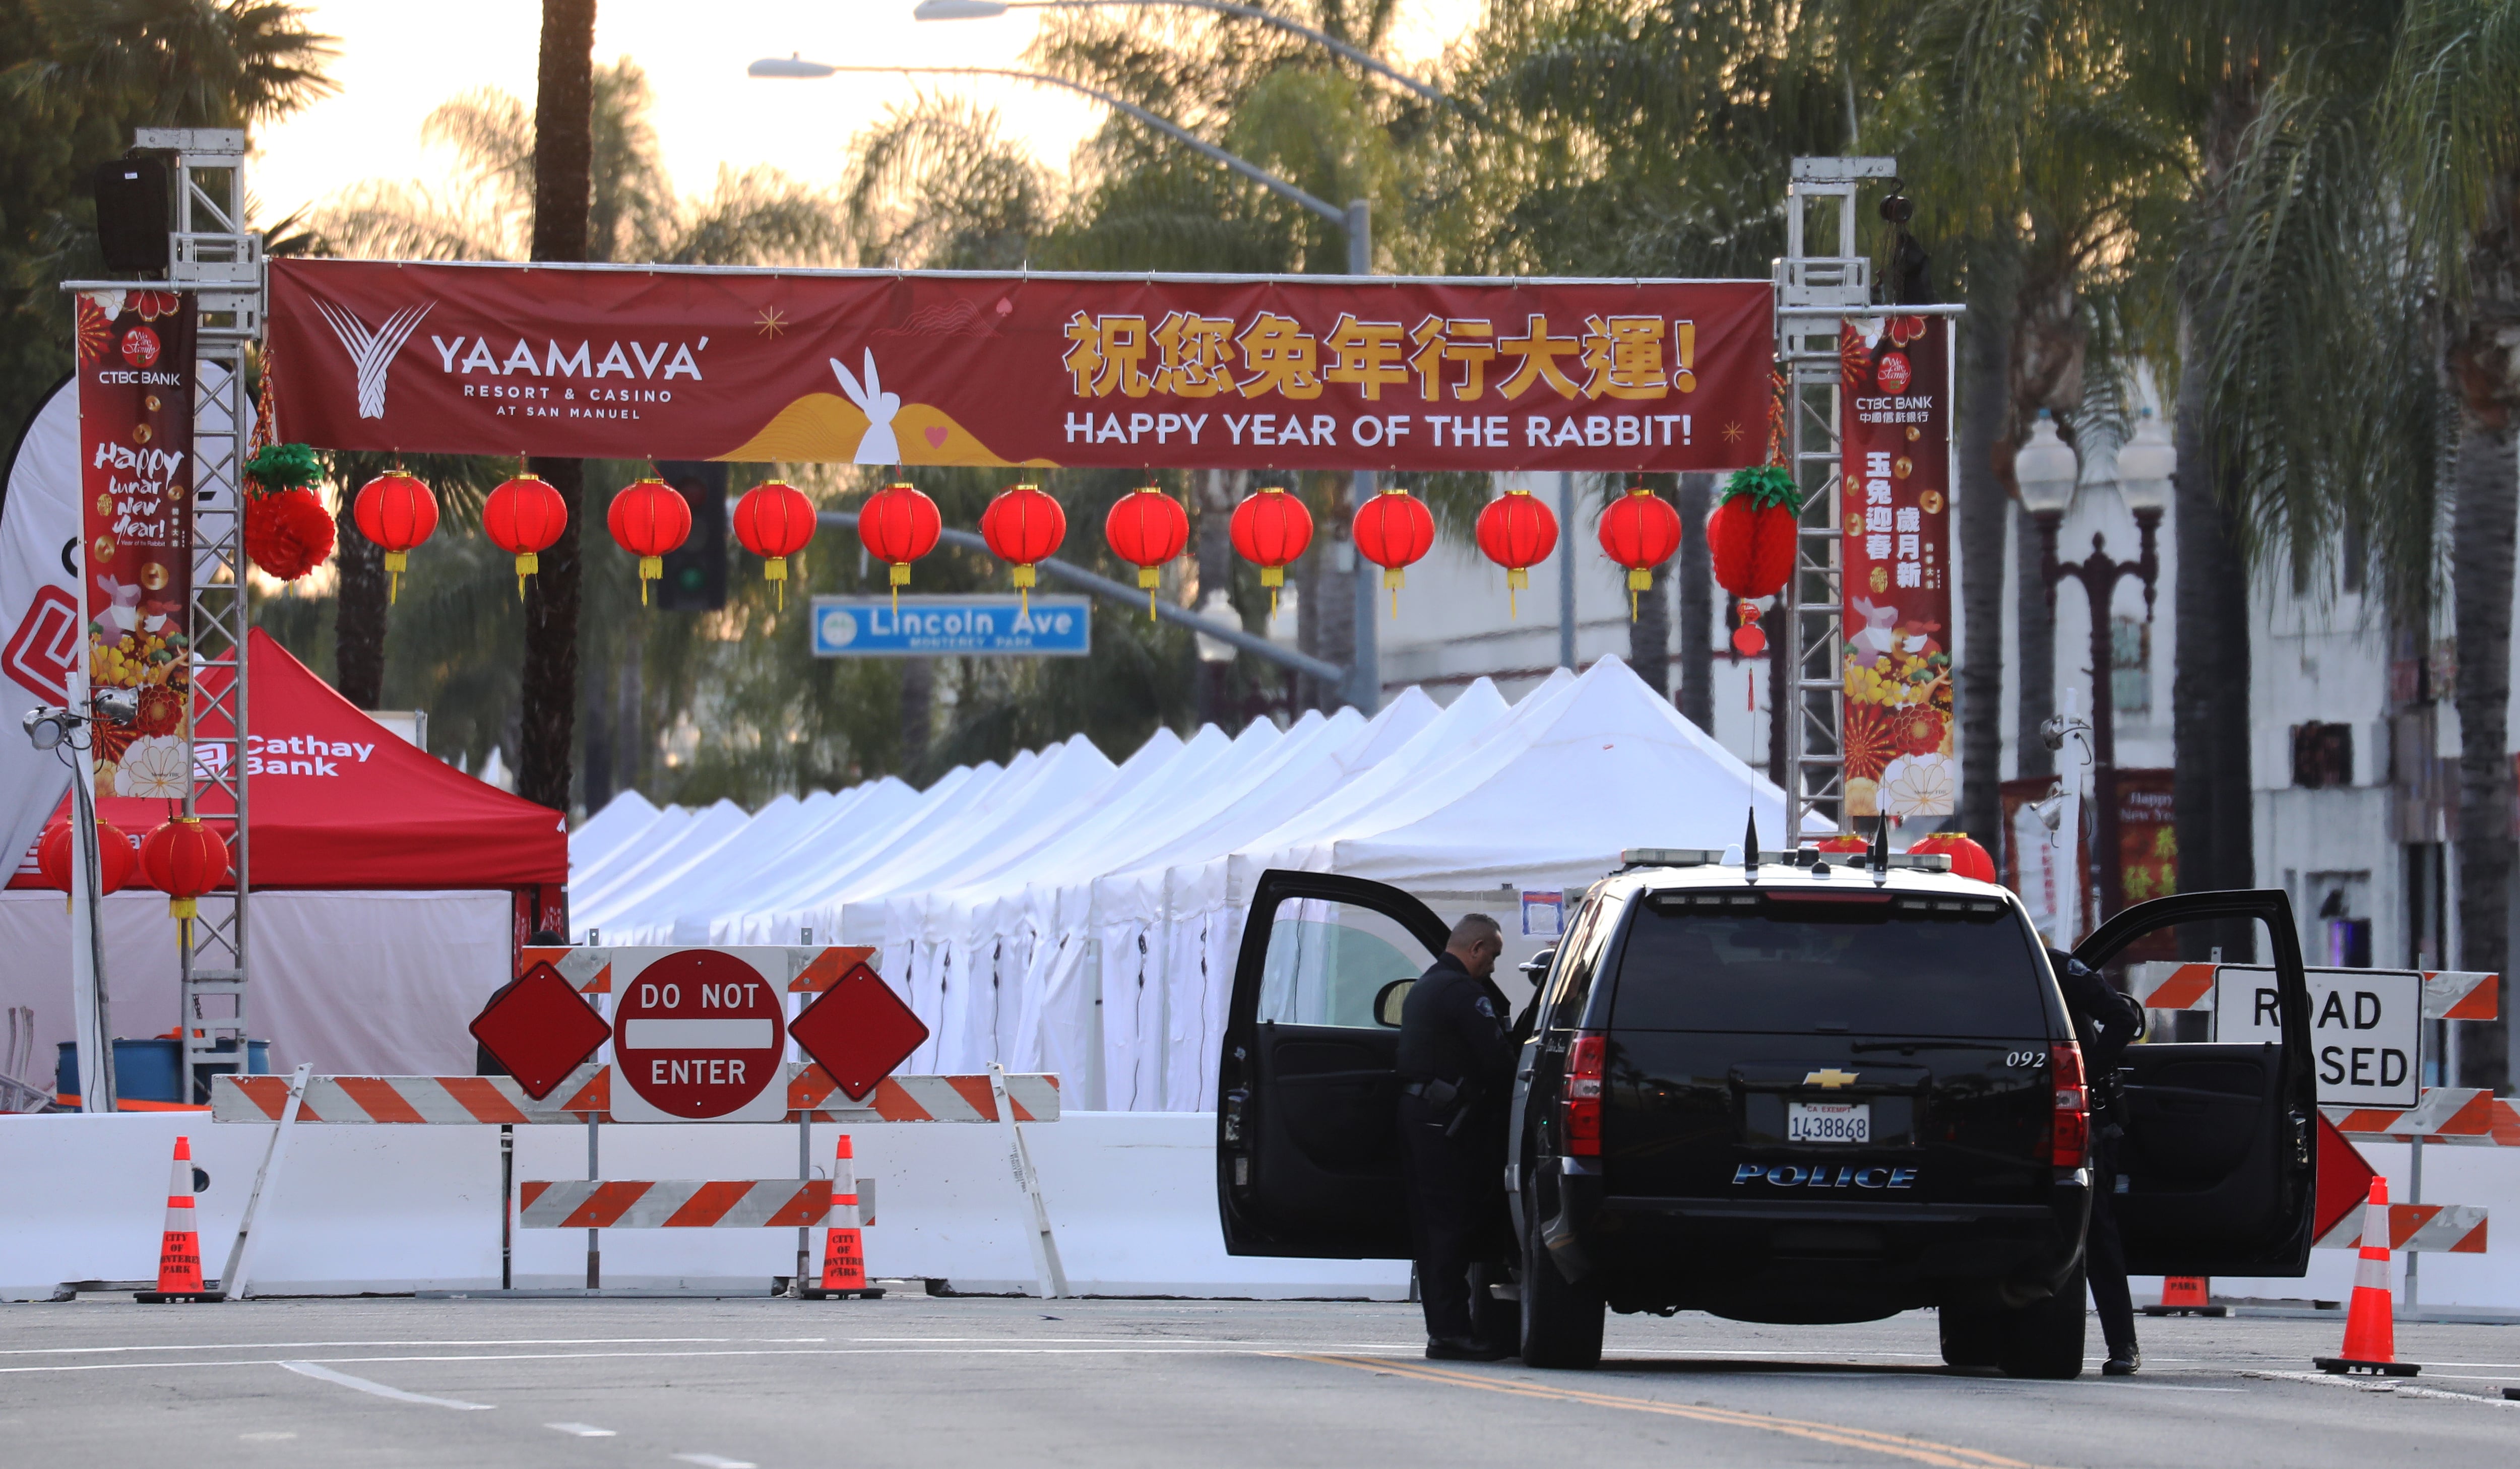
x=124, y=614
x=1877, y=640
x=879, y=446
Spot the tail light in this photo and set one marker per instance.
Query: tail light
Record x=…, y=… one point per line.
x=1586, y=1065
x=2069, y=1128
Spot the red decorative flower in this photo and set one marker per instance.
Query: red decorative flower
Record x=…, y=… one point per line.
x=1904, y=330
x=1870, y=744
x=162, y=709
x=1919, y=730
x=287, y=534
x=95, y=329
x=149, y=306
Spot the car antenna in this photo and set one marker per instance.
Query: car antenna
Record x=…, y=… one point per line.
x=1751, y=842
x=1880, y=857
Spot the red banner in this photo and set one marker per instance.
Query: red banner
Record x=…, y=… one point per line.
x=1895, y=427
x=883, y=368
x=136, y=375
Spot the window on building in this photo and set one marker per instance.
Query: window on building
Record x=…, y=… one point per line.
x=2130, y=665
x=2323, y=755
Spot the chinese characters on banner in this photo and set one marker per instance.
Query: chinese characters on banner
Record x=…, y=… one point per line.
x=136, y=369
x=1151, y=372
x=1896, y=436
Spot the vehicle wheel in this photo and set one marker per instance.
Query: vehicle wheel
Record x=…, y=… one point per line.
x=1562, y=1322
x=1971, y=1338
x=2045, y=1338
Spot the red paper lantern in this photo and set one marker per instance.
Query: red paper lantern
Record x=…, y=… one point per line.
x=1750, y=537
x=396, y=511
x=1845, y=842
x=1147, y=528
x=898, y=525
x=522, y=517
x=1269, y=529
x=1639, y=531
x=1023, y=526
x=774, y=521
x=1752, y=547
x=1968, y=859
x=648, y=519
x=1516, y=532
x=184, y=859
x=287, y=533
x=115, y=857
x=1392, y=530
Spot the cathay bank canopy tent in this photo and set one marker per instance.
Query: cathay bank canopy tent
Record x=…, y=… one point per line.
x=388, y=891
x=1062, y=914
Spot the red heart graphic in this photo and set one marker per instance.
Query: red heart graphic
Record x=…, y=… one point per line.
x=935, y=438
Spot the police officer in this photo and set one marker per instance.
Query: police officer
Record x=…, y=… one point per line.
x=2104, y=1022
x=1456, y=1071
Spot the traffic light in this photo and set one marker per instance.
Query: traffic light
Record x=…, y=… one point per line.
x=695, y=578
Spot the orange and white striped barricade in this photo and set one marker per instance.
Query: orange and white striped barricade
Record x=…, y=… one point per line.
x=586, y=1095
x=672, y=1203
x=2437, y=1228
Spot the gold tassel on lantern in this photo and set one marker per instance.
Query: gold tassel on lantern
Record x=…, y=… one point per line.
x=1273, y=577
x=1149, y=577
x=1640, y=579
x=1516, y=579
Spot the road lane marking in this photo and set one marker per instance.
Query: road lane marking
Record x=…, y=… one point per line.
x=2398, y=1385
x=494, y=1341
x=582, y=1430
x=712, y=1461
x=361, y=1384
x=1897, y=1446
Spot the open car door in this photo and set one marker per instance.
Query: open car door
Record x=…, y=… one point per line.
x=1307, y=1121
x=2218, y=1170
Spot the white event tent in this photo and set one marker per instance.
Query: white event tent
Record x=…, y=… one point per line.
x=1062, y=914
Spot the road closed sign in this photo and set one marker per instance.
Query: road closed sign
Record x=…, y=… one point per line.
x=698, y=1034
x=2366, y=1028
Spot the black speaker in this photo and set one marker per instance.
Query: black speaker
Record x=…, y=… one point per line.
x=134, y=213
x=696, y=575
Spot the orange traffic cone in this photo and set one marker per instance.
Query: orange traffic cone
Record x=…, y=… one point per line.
x=2370, y=1335
x=843, y=1244
x=179, y=1253
x=2187, y=1296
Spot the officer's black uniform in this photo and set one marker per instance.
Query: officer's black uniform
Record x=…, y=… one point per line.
x=1456, y=1071
x=2104, y=1022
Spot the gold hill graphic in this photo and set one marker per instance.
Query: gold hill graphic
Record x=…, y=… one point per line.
x=827, y=427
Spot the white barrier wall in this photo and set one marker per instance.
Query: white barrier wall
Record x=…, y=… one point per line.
x=1132, y=1197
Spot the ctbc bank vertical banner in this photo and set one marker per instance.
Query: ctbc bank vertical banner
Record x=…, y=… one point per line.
x=135, y=402
x=1896, y=467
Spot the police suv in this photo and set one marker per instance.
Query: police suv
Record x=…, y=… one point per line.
x=1809, y=1090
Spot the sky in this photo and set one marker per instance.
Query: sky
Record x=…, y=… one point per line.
x=399, y=60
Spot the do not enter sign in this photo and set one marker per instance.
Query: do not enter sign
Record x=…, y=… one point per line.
x=698, y=1034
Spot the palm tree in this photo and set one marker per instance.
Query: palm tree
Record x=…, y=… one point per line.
x=76, y=76
x=2454, y=119
x=2049, y=184
x=2380, y=184
x=563, y=189
x=482, y=209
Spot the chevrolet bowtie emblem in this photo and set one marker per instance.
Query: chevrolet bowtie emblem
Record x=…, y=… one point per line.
x=1829, y=1078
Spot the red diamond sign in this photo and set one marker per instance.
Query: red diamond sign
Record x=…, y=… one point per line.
x=540, y=1029
x=858, y=1030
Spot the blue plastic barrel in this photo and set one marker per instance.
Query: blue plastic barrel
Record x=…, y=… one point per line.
x=148, y=1069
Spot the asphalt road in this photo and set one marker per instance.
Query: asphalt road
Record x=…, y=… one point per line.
x=768, y=1384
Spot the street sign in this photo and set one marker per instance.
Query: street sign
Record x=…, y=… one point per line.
x=2366, y=1027
x=540, y=1028
x=858, y=1030
x=873, y=627
x=696, y=1037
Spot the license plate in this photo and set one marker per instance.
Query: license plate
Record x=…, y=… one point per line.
x=1828, y=1122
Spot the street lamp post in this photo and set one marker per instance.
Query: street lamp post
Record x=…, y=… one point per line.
x=983, y=10
x=2144, y=479
x=1356, y=222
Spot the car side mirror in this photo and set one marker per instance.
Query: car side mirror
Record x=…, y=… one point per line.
x=1536, y=968
x=1388, y=999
